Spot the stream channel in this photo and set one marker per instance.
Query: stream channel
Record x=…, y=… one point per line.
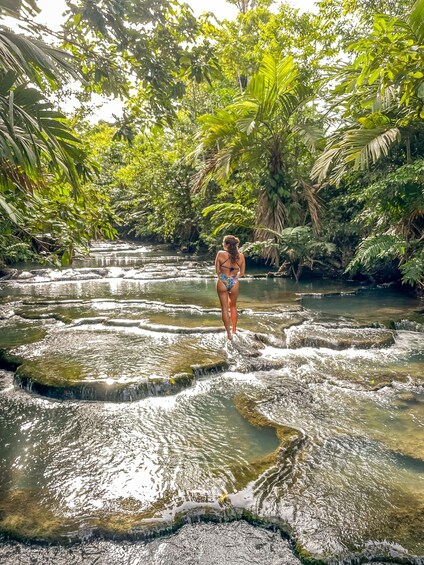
x=132, y=431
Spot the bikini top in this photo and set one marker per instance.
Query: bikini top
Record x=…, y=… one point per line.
x=231, y=269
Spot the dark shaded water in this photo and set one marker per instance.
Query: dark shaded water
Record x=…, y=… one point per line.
x=337, y=367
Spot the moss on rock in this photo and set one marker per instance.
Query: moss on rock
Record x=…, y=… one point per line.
x=9, y=361
x=74, y=385
x=24, y=515
x=70, y=380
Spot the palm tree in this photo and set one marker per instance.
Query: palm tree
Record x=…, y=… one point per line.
x=263, y=131
x=35, y=140
x=381, y=94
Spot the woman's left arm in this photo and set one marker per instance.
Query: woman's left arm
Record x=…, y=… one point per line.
x=242, y=266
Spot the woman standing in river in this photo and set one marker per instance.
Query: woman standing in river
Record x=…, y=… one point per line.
x=229, y=266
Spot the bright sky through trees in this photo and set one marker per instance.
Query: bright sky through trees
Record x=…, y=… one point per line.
x=52, y=15
x=51, y=12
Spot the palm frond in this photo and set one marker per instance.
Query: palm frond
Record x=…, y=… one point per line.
x=330, y=164
x=34, y=138
x=367, y=146
x=280, y=74
x=227, y=215
x=34, y=59
x=309, y=133
x=310, y=191
x=356, y=147
x=15, y=8
x=10, y=211
x=290, y=102
x=417, y=20
x=242, y=132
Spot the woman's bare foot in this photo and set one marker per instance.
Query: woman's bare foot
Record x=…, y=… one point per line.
x=230, y=336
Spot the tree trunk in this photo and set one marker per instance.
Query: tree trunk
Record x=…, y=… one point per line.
x=408, y=149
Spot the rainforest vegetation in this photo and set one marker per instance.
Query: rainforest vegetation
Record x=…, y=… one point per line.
x=301, y=132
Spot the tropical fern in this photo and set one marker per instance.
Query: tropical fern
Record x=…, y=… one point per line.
x=257, y=248
x=377, y=248
x=297, y=247
x=413, y=270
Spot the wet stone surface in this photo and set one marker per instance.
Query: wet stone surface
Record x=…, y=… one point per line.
x=339, y=338
x=200, y=544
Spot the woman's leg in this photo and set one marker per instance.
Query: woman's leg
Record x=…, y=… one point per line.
x=223, y=298
x=233, y=295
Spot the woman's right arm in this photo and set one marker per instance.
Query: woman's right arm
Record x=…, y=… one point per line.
x=242, y=266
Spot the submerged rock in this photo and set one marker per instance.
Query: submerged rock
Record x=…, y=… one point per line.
x=8, y=361
x=25, y=515
x=213, y=368
x=402, y=522
x=290, y=441
x=29, y=376
x=197, y=536
x=6, y=312
x=407, y=397
x=125, y=323
x=7, y=274
x=18, y=333
x=162, y=328
x=270, y=340
x=70, y=381
x=410, y=325
x=25, y=275
x=338, y=338
x=90, y=321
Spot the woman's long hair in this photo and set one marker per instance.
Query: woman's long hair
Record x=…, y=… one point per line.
x=231, y=242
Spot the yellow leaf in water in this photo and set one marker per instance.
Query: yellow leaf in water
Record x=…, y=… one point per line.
x=223, y=498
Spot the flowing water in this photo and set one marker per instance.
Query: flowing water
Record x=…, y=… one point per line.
x=131, y=417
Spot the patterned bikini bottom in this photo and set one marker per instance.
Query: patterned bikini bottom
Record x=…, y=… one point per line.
x=229, y=282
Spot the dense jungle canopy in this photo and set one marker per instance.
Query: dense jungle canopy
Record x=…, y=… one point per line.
x=301, y=132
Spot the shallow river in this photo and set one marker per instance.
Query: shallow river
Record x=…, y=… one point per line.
x=132, y=431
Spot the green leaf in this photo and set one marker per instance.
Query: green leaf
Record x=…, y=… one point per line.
x=66, y=259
